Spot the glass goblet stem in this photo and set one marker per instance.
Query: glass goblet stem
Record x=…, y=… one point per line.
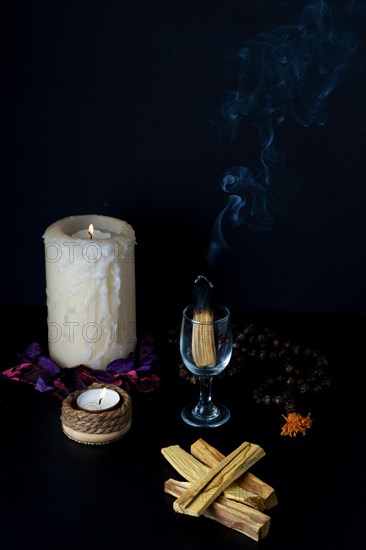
x=205, y=407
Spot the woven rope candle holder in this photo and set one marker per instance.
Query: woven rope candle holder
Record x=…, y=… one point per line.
x=96, y=427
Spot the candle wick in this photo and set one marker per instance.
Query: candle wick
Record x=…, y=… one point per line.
x=100, y=400
x=91, y=234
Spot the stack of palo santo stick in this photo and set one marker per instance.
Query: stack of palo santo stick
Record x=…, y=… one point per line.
x=221, y=488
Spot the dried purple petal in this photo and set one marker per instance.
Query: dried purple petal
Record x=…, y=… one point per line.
x=143, y=368
x=102, y=375
x=148, y=383
x=33, y=350
x=47, y=364
x=147, y=351
x=17, y=373
x=61, y=390
x=83, y=377
x=26, y=372
x=42, y=386
x=122, y=365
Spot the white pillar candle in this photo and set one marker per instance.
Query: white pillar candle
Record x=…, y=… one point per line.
x=90, y=290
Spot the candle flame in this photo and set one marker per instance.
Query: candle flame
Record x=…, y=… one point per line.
x=91, y=230
x=102, y=395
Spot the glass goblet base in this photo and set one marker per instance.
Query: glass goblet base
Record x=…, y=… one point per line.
x=217, y=416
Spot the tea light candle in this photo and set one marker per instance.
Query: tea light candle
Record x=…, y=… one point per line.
x=90, y=288
x=97, y=415
x=97, y=399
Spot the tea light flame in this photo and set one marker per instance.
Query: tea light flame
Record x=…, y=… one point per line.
x=102, y=395
x=91, y=230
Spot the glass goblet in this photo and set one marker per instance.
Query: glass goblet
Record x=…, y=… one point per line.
x=206, y=349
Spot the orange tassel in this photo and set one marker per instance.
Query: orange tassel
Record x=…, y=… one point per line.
x=295, y=423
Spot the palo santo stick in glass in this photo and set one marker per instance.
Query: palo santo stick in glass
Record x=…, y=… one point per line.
x=203, y=337
x=234, y=515
x=192, y=469
x=265, y=493
x=204, y=491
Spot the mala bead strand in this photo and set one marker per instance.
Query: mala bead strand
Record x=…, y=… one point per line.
x=300, y=371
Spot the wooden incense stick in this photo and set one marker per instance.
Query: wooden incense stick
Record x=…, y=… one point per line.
x=203, y=337
x=248, y=482
x=203, y=492
x=232, y=514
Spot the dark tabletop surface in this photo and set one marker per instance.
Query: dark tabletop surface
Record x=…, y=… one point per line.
x=56, y=493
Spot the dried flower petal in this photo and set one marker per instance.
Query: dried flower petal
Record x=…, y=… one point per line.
x=33, y=350
x=295, y=423
x=45, y=375
x=41, y=385
x=122, y=365
x=47, y=364
x=148, y=383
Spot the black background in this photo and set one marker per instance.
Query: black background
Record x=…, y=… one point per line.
x=113, y=107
